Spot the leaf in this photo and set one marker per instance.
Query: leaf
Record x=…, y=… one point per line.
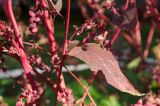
x=58, y=5
x=99, y=59
x=134, y=63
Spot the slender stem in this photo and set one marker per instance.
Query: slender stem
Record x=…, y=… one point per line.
x=74, y=77
x=14, y=23
x=115, y=36
x=137, y=35
x=80, y=83
x=83, y=9
x=126, y=5
x=149, y=40
x=19, y=44
x=91, y=79
x=128, y=38
x=67, y=22
x=75, y=32
x=49, y=23
x=137, y=38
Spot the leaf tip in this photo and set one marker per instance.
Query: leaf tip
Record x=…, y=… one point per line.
x=136, y=93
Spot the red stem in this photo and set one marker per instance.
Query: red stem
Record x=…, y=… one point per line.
x=11, y=17
x=128, y=38
x=126, y=5
x=130, y=41
x=67, y=21
x=19, y=44
x=50, y=32
x=66, y=26
x=75, y=32
x=83, y=9
x=90, y=81
x=149, y=40
x=115, y=36
x=80, y=83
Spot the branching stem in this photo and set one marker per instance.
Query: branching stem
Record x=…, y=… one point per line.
x=19, y=44
x=59, y=74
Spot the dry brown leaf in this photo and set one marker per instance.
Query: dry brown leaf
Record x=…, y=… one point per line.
x=99, y=59
x=57, y=6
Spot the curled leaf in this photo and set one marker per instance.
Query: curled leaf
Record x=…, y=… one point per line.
x=99, y=59
x=57, y=6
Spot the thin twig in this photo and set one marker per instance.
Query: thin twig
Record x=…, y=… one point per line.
x=91, y=79
x=49, y=23
x=75, y=32
x=149, y=40
x=115, y=36
x=137, y=38
x=86, y=89
x=59, y=74
x=126, y=5
x=83, y=9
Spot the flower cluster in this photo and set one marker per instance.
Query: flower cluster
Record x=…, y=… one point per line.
x=87, y=25
x=65, y=96
x=28, y=96
x=35, y=17
x=37, y=60
x=35, y=14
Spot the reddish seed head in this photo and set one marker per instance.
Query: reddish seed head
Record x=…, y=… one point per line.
x=31, y=19
x=33, y=30
x=19, y=103
x=33, y=25
x=32, y=14
x=37, y=19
